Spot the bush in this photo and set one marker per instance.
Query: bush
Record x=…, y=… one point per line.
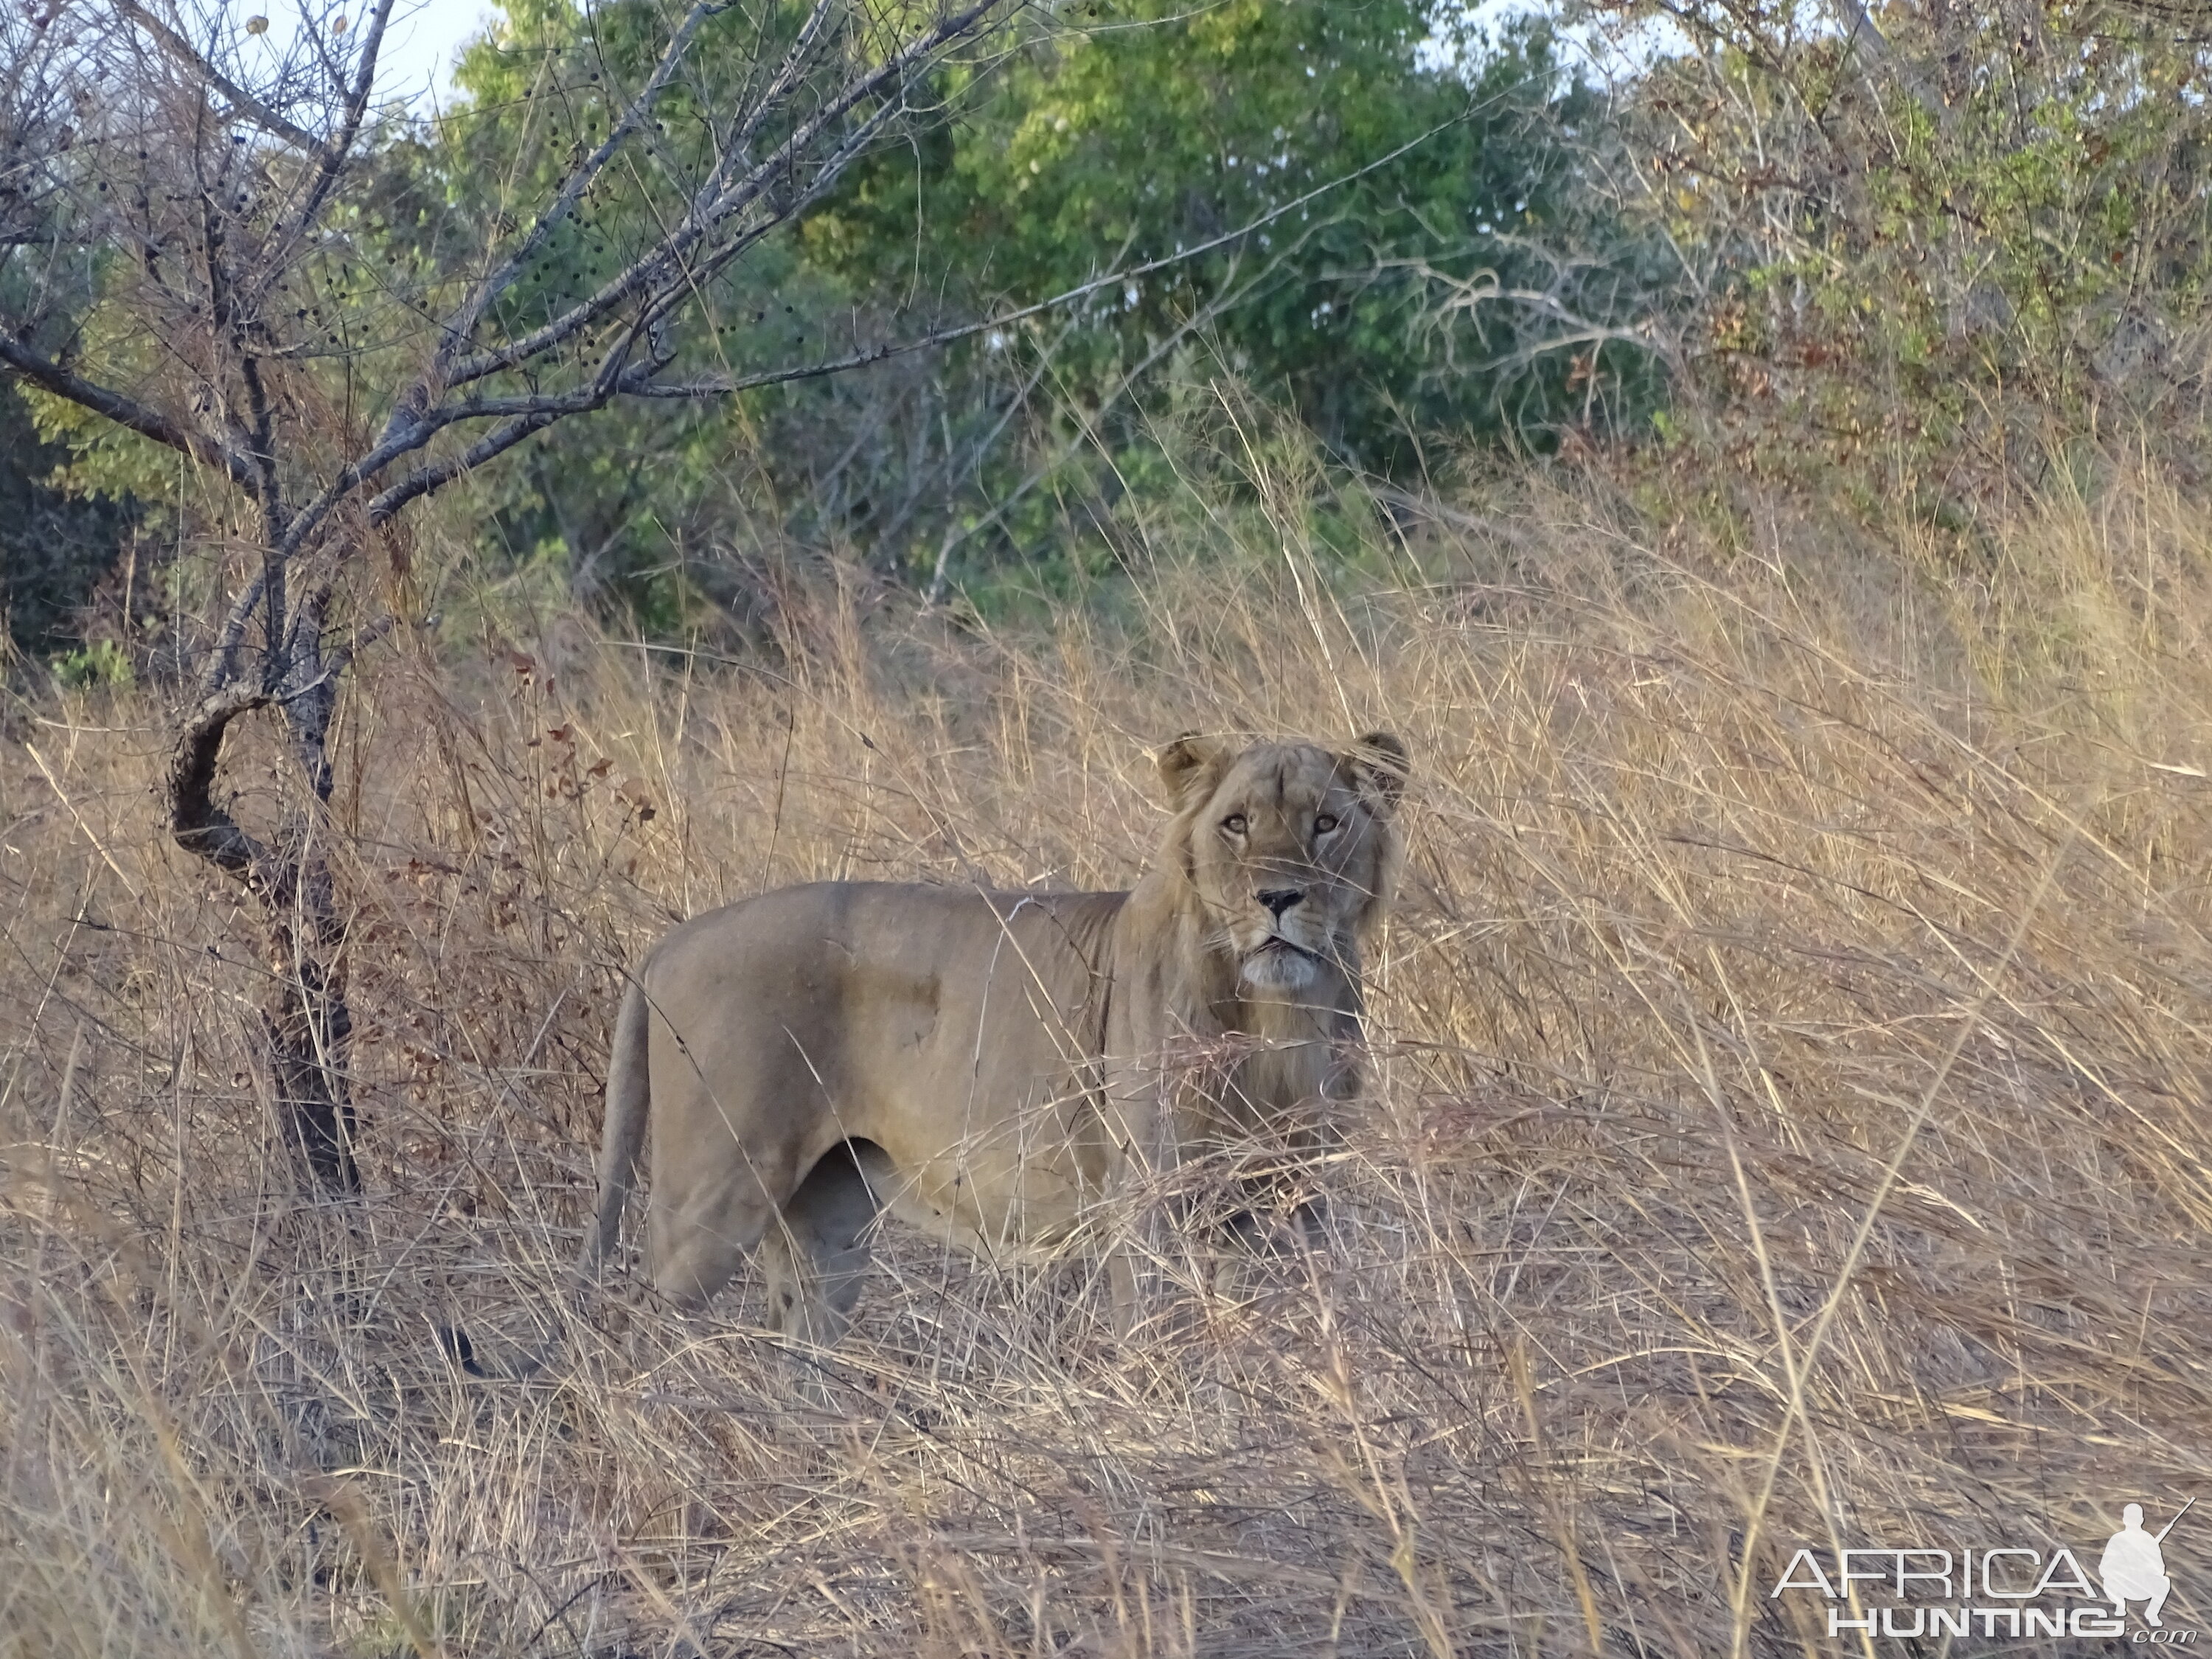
x=1927, y=255
x=55, y=545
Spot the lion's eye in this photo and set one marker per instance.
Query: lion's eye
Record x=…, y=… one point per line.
x=1234, y=824
x=1323, y=824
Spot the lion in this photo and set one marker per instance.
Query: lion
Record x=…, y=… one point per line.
x=989, y=1066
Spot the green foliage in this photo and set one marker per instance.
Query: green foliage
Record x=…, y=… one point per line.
x=1165, y=128
x=56, y=542
x=99, y=665
x=90, y=456
x=1925, y=264
x=1444, y=167
x=65, y=446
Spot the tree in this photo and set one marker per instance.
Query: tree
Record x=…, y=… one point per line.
x=1156, y=138
x=1447, y=286
x=192, y=254
x=1423, y=262
x=1926, y=246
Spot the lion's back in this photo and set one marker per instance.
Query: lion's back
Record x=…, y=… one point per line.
x=882, y=935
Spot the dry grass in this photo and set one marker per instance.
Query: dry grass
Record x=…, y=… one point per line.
x=1789, y=1127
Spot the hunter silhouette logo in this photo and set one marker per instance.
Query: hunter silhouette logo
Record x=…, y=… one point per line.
x=2133, y=1567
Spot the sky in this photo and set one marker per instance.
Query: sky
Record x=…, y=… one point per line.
x=419, y=44
x=426, y=35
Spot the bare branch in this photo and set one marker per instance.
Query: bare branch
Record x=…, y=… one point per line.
x=464, y=322
x=384, y=507
x=335, y=153
x=222, y=662
x=784, y=81
x=242, y=100
x=664, y=261
x=618, y=375
x=1468, y=294
x=124, y=411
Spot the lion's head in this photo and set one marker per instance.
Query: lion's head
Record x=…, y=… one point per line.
x=1293, y=848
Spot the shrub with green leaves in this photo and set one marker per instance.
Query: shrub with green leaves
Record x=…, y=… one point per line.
x=56, y=543
x=1928, y=251
x=1370, y=214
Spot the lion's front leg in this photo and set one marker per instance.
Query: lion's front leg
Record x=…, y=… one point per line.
x=1159, y=1117
x=1140, y=1130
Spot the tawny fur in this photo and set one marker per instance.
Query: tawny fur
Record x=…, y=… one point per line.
x=988, y=1066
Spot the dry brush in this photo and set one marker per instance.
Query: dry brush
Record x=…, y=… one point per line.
x=1788, y=1127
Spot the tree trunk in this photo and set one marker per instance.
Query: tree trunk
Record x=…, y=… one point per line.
x=306, y=1024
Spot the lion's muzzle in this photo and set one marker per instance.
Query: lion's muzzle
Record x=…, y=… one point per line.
x=1277, y=964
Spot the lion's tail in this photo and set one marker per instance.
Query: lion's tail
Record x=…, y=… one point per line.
x=629, y=1096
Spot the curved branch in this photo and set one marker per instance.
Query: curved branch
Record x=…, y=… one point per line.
x=196, y=823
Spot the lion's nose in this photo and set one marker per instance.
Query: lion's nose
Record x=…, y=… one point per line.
x=1279, y=899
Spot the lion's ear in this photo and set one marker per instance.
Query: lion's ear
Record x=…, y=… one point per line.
x=1192, y=763
x=1379, y=761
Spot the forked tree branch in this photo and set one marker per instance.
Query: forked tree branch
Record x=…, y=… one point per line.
x=463, y=323
x=667, y=262
x=385, y=506
x=336, y=153
x=190, y=58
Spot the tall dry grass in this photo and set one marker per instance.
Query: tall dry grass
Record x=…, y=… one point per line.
x=1787, y=1126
